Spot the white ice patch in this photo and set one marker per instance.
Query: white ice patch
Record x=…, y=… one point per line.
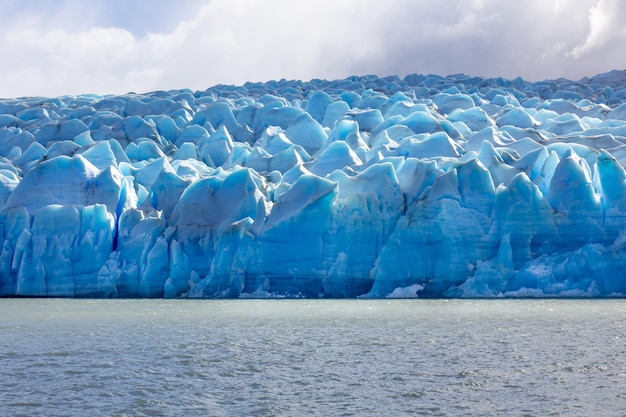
x=406, y=292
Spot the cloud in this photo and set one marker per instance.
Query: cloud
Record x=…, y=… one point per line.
x=94, y=47
x=605, y=24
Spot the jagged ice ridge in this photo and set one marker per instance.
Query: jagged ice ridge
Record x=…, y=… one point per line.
x=425, y=186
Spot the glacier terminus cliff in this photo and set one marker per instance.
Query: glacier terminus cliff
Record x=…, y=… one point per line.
x=425, y=186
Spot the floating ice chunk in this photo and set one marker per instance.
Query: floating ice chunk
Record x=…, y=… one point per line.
x=406, y=292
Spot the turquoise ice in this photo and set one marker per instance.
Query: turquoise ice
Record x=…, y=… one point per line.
x=425, y=186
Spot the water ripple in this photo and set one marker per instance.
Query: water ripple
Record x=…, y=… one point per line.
x=312, y=358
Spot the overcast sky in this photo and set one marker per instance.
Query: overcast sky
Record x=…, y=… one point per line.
x=56, y=47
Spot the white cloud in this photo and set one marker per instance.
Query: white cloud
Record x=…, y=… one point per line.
x=74, y=49
x=603, y=26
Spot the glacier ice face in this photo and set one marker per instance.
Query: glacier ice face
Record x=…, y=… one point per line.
x=425, y=186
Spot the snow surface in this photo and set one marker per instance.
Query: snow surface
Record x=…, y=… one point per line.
x=425, y=186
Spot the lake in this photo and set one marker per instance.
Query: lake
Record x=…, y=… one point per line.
x=69, y=357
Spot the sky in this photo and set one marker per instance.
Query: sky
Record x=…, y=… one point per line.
x=58, y=47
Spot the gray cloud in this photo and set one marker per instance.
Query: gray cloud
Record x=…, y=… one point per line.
x=119, y=46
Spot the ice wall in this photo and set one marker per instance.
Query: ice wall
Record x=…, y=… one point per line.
x=424, y=186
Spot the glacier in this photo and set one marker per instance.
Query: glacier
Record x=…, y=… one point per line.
x=422, y=186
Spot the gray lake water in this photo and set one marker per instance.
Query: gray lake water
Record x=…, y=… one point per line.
x=64, y=357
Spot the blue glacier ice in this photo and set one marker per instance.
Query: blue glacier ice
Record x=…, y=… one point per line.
x=422, y=186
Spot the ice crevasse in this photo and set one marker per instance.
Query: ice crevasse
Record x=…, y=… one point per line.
x=424, y=186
